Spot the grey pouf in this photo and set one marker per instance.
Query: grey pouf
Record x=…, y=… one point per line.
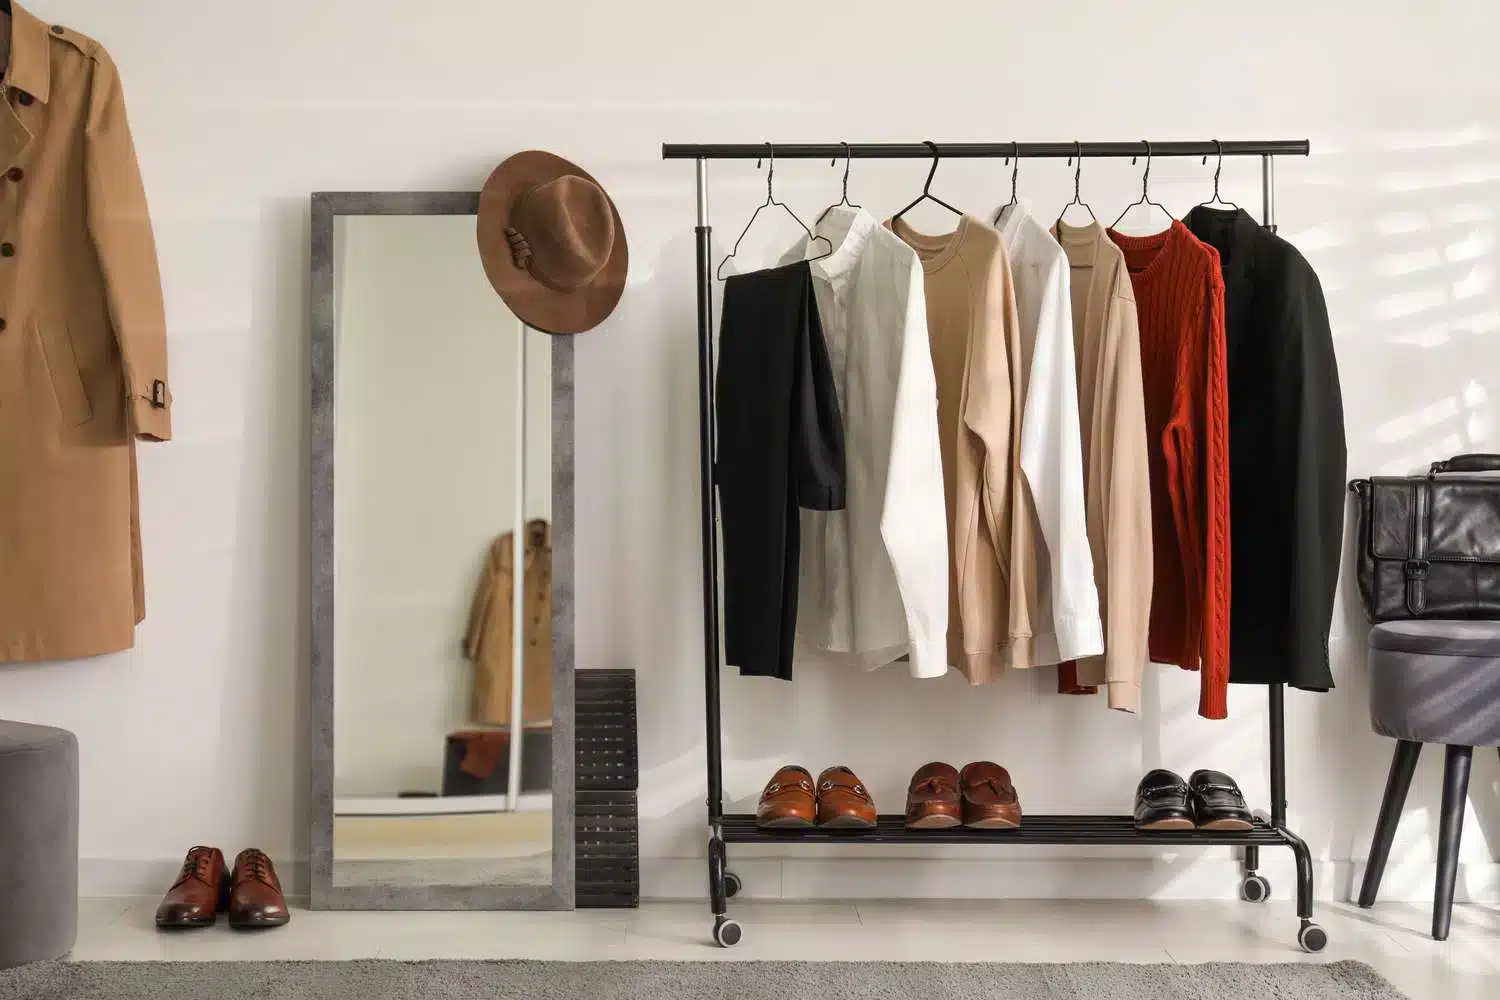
x=1432, y=682
x=38, y=843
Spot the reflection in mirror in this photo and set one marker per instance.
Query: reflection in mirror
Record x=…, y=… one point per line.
x=442, y=462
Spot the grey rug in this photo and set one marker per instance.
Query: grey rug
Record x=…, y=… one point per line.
x=379, y=980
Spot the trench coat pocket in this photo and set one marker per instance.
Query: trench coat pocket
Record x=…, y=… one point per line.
x=62, y=371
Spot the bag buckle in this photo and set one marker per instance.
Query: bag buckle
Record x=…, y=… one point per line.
x=1417, y=569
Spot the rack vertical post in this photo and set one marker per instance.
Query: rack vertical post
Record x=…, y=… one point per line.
x=1062, y=829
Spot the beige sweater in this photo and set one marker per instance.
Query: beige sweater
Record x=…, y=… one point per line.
x=974, y=331
x=1117, y=484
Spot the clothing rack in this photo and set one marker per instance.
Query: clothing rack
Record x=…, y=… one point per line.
x=1268, y=830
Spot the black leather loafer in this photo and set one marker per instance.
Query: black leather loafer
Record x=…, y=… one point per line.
x=1161, y=803
x=1217, y=802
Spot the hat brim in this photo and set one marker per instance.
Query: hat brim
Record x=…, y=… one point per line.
x=539, y=307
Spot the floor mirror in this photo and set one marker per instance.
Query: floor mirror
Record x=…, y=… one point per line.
x=442, y=612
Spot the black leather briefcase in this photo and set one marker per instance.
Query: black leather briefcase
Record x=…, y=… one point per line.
x=1429, y=546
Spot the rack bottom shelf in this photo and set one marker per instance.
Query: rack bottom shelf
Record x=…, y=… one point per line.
x=740, y=828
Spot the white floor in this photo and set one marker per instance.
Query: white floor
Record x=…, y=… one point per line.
x=1393, y=938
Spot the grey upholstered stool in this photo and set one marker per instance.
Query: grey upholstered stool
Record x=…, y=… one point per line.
x=38, y=843
x=1432, y=682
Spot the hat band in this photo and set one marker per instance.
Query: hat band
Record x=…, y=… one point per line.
x=520, y=250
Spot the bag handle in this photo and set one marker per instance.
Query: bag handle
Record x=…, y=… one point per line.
x=1475, y=462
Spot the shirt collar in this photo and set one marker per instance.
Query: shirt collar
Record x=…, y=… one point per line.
x=1011, y=221
x=30, y=67
x=848, y=230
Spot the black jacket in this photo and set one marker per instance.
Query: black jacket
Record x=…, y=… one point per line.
x=1286, y=455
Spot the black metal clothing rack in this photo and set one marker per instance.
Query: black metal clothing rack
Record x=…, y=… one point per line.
x=1268, y=831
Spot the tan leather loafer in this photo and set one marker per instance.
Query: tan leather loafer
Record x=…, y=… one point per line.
x=789, y=801
x=843, y=801
x=932, y=799
x=990, y=800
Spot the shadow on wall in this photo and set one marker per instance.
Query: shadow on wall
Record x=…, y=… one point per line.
x=1403, y=231
x=1416, y=283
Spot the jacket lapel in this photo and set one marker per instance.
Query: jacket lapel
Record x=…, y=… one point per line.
x=29, y=71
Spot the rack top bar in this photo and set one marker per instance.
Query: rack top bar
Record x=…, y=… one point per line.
x=920, y=151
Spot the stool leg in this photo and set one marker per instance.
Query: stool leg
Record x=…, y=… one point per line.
x=1403, y=766
x=1455, y=797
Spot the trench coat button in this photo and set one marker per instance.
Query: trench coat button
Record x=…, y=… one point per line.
x=2, y=324
x=7, y=249
x=58, y=29
x=15, y=174
x=24, y=98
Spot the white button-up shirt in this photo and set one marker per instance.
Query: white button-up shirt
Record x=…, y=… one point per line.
x=1051, y=443
x=874, y=576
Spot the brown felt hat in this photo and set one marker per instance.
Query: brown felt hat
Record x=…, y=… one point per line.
x=552, y=243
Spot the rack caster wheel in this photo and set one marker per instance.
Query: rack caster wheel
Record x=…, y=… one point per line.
x=727, y=932
x=1255, y=889
x=732, y=885
x=1312, y=938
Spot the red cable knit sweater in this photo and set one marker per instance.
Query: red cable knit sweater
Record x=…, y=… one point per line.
x=1179, y=293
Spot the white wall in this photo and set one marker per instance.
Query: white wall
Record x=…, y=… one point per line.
x=199, y=734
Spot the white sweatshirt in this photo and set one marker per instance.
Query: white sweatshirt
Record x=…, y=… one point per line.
x=1051, y=444
x=874, y=576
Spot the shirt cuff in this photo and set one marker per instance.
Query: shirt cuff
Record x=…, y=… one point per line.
x=1079, y=637
x=929, y=659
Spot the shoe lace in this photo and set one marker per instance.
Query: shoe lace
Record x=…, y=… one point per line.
x=1000, y=788
x=936, y=783
x=256, y=865
x=196, y=865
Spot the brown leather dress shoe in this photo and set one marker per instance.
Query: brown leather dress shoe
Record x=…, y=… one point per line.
x=843, y=801
x=255, y=896
x=789, y=801
x=990, y=800
x=200, y=893
x=932, y=799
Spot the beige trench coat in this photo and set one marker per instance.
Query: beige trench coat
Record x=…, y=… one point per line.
x=83, y=358
x=490, y=629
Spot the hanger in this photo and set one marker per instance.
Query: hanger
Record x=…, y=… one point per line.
x=1077, y=182
x=1145, y=198
x=927, y=194
x=1014, y=172
x=771, y=200
x=1218, y=167
x=845, y=199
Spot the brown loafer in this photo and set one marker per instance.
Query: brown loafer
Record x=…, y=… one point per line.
x=200, y=893
x=932, y=798
x=789, y=801
x=990, y=800
x=843, y=801
x=255, y=896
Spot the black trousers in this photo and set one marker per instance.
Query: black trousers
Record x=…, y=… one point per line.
x=781, y=447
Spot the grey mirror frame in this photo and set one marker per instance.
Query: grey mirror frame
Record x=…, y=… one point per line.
x=326, y=207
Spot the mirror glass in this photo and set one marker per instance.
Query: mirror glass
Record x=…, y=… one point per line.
x=443, y=486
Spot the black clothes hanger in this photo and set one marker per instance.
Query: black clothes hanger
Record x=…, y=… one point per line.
x=771, y=200
x=927, y=194
x=1015, y=171
x=1077, y=185
x=845, y=199
x=1145, y=198
x=1218, y=168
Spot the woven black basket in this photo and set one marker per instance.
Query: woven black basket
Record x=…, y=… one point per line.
x=607, y=845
